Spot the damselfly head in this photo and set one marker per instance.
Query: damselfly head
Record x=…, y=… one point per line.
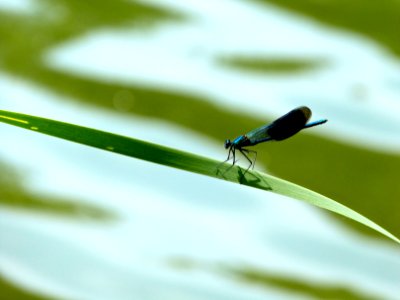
x=227, y=144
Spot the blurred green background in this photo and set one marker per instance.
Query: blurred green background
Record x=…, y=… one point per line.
x=360, y=177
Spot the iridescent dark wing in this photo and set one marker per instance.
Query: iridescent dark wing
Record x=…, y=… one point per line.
x=289, y=124
x=259, y=135
x=281, y=128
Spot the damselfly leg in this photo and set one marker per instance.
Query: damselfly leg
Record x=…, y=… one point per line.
x=231, y=151
x=252, y=162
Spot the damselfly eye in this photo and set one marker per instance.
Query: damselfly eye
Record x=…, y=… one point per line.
x=227, y=144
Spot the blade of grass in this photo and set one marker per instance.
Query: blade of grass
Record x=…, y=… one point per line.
x=182, y=160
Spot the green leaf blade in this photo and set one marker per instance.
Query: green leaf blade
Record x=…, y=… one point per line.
x=182, y=160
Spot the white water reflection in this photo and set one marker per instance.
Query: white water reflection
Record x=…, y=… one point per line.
x=19, y=6
x=207, y=221
x=356, y=91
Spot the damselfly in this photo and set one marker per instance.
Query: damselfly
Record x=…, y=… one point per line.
x=280, y=129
